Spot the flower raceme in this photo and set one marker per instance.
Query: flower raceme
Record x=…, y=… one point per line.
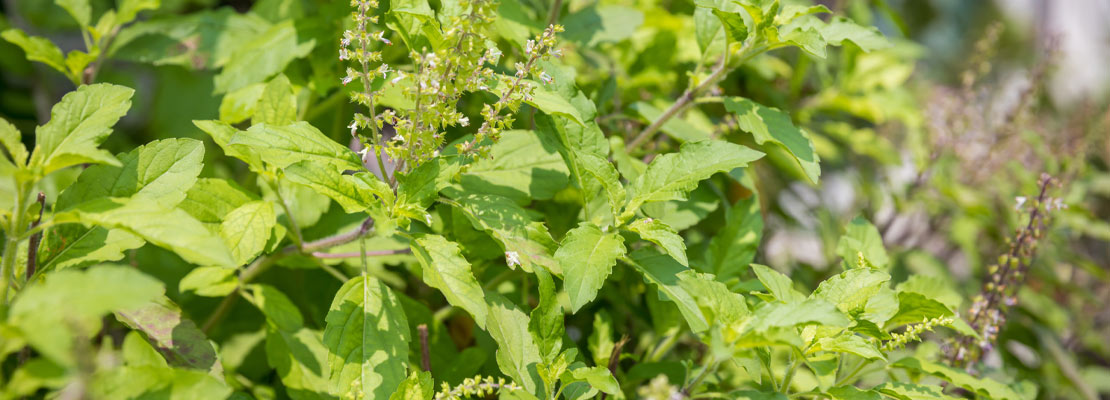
x=463, y=62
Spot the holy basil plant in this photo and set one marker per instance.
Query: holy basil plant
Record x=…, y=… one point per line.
x=442, y=199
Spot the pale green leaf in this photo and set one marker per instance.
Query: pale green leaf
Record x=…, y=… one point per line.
x=80, y=10
x=910, y=391
x=239, y=105
x=39, y=49
x=171, y=229
x=264, y=56
x=222, y=133
x=12, y=141
x=517, y=353
x=520, y=167
x=418, y=386
x=176, y=337
x=161, y=172
x=128, y=9
x=982, y=386
x=932, y=287
x=78, y=124
x=607, y=23
x=367, y=337
x=850, y=290
x=657, y=232
x=546, y=321
x=246, y=230
x=734, y=26
x=527, y=243
x=68, y=305
x=598, y=377
x=733, y=248
x=671, y=175
x=210, y=199
x=587, y=256
x=849, y=343
x=861, y=239
x=605, y=174
x=720, y=306
x=444, y=268
x=355, y=193
x=209, y=281
x=664, y=272
x=277, y=105
x=779, y=285
x=768, y=124
x=282, y=146
x=300, y=360
x=853, y=393
x=784, y=315
x=146, y=382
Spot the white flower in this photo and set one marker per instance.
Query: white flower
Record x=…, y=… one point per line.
x=344, y=54
x=464, y=121
x=531, y=45
x=347, y=79
x=354, y=128
x=512, y=258
x=1020, y=202
x=546, y=78
x=398, y=78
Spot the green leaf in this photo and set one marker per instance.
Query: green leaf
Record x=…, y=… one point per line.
x=910, y=391
x=78, y=124
x=238, y=105
x=159, y=172
x=355, y=193
x=527, y=243
x=171, y=229
x=277, y=105
x=41, y=50
x=916, y=307
x=145, y=382
x=444, y=268
x=520, y=167
x=80, y=10
x=657, y=232
x=982, y=386
x=264, y=56
x=853, y=393
x=733, y=248
x=598, y=377
x=12, y=141
x=67, y=306
x=720, y=306
x=209, y=281
x=278, y=309
x=664, y=272
x=367, y=336
x=247, y=229
x=546, y=321
x=210, y=199
x=779, y=285
x=861, y=239
x=602, y=171
x=177, y=338
x=768, y=124
x=785, y=315
x=128, y=9
x=851, y=289
x=587, y=256
x=670, y=176
x=418, y=386
x=297, y=353
x=839, y=29
x=932, y=287
x=735, y=27
x=517, y=353
x=221, y=133
x=282, y=146
x=849, y=343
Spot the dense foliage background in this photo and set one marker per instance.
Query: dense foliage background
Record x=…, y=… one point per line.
x=849, y=199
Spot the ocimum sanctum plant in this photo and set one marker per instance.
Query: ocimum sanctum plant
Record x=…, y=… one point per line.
x=414, y=199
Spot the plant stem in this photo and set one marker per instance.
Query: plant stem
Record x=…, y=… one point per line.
x=11, y=245
x=353, y=254
x=790, y=373
x=684, y=101
x=33, y=246
x=425, y=355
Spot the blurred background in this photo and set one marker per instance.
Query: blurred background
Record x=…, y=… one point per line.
x=934, y=139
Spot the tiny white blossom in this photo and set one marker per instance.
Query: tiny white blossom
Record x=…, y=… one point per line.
x=546, y=78
x=346, y=41
x=464, y=121
x=347, y=79
x=529, y=47
x=344, y=54
x=512, y=258
x=398, y=78
x=354, y=128
x=1020, y=202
